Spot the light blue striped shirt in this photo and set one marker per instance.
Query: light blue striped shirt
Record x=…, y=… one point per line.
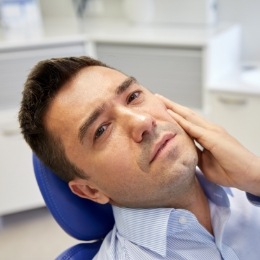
x=166, y=233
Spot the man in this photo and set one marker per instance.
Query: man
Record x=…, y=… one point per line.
x=115, y=142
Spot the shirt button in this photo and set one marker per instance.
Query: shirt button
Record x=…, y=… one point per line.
x=182, y=220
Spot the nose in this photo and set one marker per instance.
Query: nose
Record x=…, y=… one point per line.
x=137, y=123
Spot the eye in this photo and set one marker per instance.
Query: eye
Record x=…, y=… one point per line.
x=100, y=131
x=133, y=96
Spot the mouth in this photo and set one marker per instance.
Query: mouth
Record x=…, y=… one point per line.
x=160, y=146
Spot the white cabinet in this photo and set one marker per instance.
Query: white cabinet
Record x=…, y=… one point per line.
x=16, y=63
x=238, y=113
x=173, y=72
x=18, y=188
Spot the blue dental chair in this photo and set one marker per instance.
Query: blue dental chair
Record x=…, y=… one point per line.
x=80, y=218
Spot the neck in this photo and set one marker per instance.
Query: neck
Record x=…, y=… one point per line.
x=199, y=206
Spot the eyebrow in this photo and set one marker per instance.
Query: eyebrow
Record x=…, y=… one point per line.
x=100, y=109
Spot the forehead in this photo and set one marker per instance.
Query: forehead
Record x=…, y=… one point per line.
x=93, y=82
x=89, y=88
x=88, y=85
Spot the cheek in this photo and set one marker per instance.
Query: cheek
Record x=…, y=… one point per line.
x=116, y=177
x=114, y=159
x=119, y=168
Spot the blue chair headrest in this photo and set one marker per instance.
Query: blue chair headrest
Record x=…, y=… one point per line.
x=80, y=218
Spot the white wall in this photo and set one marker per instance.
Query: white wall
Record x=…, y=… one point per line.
x=56, y=8
x=64, y=8
x=245, y=12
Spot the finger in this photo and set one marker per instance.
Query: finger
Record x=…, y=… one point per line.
x=186, y=113
x=204, y=136
x=192, y=129
x=212, y=170
x=182, y=110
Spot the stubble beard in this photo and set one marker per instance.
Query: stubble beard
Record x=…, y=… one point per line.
x=148, y=141
x=177, y=176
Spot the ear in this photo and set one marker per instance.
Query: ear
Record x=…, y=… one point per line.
x=84, y=189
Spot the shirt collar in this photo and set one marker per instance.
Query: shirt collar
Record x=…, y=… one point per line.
x=214, y=192
x=140, y=226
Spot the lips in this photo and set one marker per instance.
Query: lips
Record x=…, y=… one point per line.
x=160, y=145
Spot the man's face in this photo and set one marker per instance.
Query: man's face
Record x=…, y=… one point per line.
x=123, y=138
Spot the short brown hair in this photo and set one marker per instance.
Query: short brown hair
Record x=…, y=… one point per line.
x=41, y=86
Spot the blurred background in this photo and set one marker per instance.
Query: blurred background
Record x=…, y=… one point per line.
x=203, y=54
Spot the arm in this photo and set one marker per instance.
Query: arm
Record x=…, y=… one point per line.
x=223, y=160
